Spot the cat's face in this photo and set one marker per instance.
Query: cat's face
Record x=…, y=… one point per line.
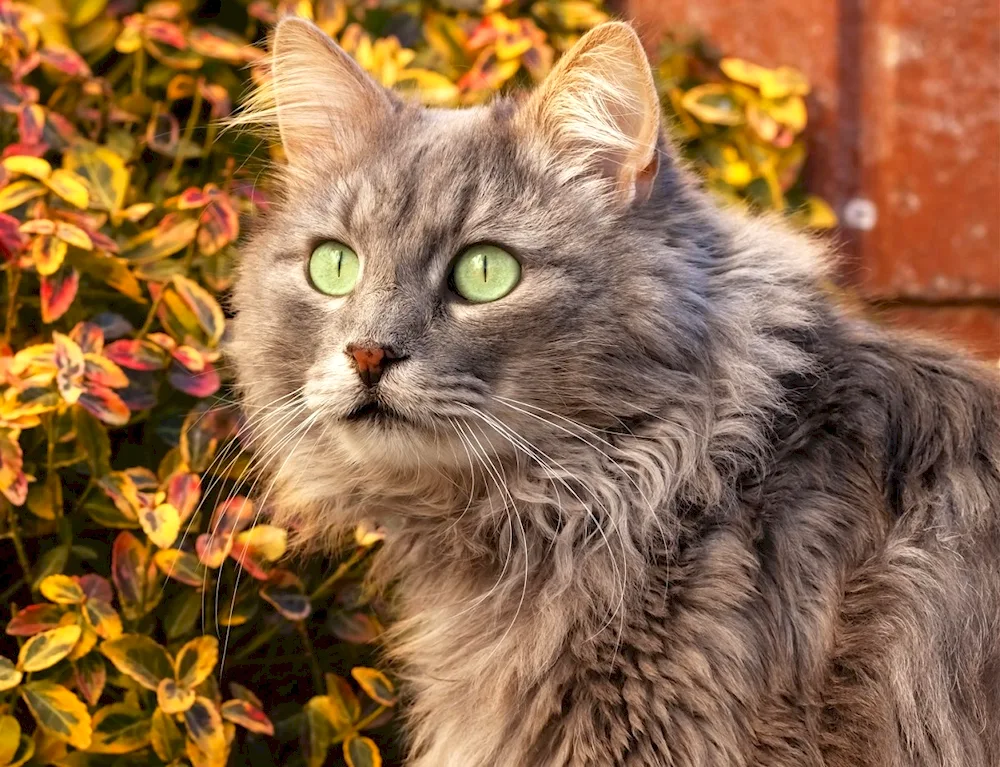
x=412, y=362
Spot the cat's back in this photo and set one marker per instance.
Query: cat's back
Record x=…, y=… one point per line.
x=879, y=542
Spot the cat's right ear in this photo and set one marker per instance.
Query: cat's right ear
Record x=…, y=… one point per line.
x=318, y=98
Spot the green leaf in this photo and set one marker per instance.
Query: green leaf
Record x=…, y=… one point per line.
x=84, y=11
x=166, y=737
x=139, y=658
x=10, y=677
x=120, y=729
x=48, y=648
x=361, y=752
x=59, y=712
x=93, y=438
x=376, y=684
x=51, y=562
x=196, y=660
x=182, y=614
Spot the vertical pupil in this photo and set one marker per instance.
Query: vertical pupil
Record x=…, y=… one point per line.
x=340, y=261
x=485, y=262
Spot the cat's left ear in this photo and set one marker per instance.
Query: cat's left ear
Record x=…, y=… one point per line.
x=599, y=111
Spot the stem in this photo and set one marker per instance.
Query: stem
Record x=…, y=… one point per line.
x=326, y=587
x=151, y=315
x=139, y=71
x=13, y=283
x=360, y=725
x=12, y=589
x=189, y=127
x=15, y=536
x=317, y=672
x=50, y=452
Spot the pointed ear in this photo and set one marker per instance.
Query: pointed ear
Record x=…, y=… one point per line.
x=599, y=111
x=318, y=98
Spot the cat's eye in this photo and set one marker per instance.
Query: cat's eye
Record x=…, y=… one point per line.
x=333, y=268
x=485, y=273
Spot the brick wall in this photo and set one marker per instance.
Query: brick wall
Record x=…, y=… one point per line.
x=905, y=139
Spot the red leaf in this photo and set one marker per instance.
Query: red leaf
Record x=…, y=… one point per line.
x=88, y=336
x=165, y=32
x=96, y=587
x=135, y=576
x=57, y=293
x=192, y=197
x=248, y=560
x=183, y=493
x=20, y=149
x=136, y=354
x=12, y=242
x=34, y=619
x=203, y=384
x=65, y=60
x=31, y=123
x=220, y=225
x=232, y=516
x=105, y=405
x=13, y=482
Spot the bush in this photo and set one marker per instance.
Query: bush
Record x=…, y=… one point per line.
x=133, y=545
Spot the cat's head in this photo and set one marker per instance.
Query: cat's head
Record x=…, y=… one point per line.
x=436, y=288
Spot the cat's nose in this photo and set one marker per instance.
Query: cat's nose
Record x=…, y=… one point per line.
x=371, y=361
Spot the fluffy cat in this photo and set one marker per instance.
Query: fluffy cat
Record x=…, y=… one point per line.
x=662, y=503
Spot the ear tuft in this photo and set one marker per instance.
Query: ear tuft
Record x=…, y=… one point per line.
x=600, y=112
x=315, y=97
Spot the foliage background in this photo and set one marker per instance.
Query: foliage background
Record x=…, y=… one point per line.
x=137, y=572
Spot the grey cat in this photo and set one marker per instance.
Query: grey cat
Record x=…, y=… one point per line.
x=652, y=497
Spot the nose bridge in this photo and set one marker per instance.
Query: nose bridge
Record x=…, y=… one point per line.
x=387, y=317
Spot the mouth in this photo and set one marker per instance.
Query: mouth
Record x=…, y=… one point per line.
x=375, y=412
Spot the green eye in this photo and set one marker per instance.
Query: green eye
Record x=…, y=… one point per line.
x=485, y=273
x=333, y=268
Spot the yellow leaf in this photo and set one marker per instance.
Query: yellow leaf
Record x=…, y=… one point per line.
x=48, y=648
x=19, y=192
x=375, y=684
x=62, y=590
x=174, y=698
x=88, y=638
x=108, y=178
x=35, y=167
x=713, y=103
x=59, y=712
x=166, y=737
x=10, y=677
x=71, y=187
x=10, y=738
x=196, y=660
x=73, y=235
x=267, y=540
x=206, y=733
x=161, y=524
x=361, y=752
